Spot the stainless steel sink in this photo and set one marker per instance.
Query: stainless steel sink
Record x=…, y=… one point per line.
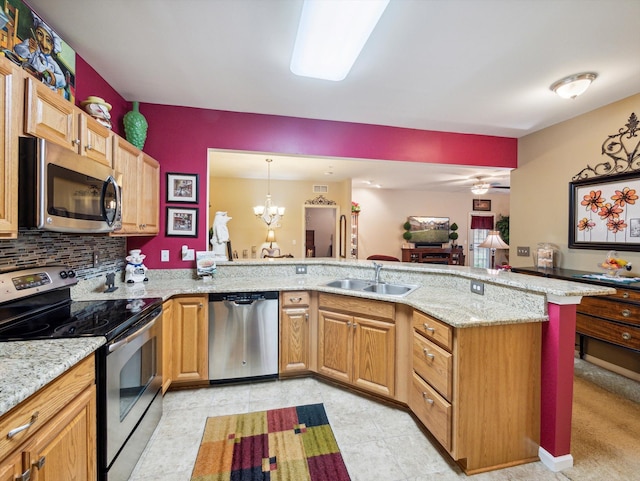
x=362, y=285
x=351, y=284
x=390, y=289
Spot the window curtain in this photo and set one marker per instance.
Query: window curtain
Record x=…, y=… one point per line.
x=482, y=222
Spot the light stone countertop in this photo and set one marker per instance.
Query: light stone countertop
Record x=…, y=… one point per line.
x=444, y=293
x=27, y=366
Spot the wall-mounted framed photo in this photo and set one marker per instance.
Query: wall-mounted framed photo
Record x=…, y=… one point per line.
x=482, y=204
x=182, y=187
x=604, y=212
x=182, y=222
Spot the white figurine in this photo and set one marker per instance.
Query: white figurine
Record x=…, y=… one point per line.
x=220, y=235
x=135, y=271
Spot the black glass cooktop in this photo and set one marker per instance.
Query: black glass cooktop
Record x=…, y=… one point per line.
x=69, y=318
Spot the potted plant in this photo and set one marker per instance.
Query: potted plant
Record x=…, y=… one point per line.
x=502, y=226
x=407, y=231
x=453, y=235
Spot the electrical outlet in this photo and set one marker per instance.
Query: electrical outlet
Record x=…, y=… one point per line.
x=477, y=287
x=96, y=258
x=522, y=251
x=164, y=255
x=301, y=269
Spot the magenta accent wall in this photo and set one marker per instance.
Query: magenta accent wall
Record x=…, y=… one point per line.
x=89, y=82
x=180, y=136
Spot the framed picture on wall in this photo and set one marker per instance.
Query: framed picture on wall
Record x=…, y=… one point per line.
x=182, y=222
x=182, y=187
x=482, y=204
x=604, y=212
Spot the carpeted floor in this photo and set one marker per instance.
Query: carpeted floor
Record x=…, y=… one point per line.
x=604, y=436
x=288, y=444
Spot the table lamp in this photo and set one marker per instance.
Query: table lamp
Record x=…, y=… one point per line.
x=493, y=242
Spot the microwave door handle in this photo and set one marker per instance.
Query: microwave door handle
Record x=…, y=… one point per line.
x=110, y=181
x=117, y=345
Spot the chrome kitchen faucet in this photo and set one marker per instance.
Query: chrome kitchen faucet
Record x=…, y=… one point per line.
x=377, y=267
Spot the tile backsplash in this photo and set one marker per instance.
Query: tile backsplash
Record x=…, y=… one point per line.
x=35, y=248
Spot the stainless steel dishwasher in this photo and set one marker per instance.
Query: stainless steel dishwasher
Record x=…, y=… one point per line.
x=243, y=335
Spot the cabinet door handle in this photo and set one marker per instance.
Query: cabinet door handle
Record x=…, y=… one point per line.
x=76, y=142
x=428, y=354
x=626, y=336
x=200, y=306
x=295, y=300
x=625, y=295
x=626, y=313
x=348, y=323
x=26, y=476
x=40, y=462
x=306, y=317
x=426, y=397
x=428, y=329
x=88, y=147
x=19, y=429
x=355, y=324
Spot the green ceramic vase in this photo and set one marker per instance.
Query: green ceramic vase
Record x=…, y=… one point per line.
x=135, y=126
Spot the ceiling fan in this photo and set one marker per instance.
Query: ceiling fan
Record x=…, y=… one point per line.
x=481, y=187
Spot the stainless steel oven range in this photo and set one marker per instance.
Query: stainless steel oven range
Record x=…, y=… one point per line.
x=36, y=304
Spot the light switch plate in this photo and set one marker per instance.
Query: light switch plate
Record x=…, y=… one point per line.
x=523, y=251
x=164, y=255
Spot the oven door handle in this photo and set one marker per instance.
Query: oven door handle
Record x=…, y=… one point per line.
x=117, y=345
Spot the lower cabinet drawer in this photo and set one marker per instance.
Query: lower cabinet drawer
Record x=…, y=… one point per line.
x=619, y=334
x=432, y=409
x=433, y=363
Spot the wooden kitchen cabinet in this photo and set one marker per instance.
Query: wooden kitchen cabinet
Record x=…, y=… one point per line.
x=167, y=344
x=477, y=390
x=9, y=118
x=61, y=441
x=140, y=183
x=294, y=332
x=190, y=339
x=52, y=117
x=357, y=343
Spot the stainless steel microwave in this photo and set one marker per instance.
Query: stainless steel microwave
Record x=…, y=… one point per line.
x=59, y=190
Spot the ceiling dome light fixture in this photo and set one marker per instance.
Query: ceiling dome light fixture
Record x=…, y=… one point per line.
x=573, y=85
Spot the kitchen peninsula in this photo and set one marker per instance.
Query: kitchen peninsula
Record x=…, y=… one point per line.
x=462, y=360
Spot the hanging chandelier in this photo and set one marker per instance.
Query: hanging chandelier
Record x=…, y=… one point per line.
x=269, y=213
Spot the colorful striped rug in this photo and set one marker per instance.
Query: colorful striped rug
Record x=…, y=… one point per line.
x=289, y=444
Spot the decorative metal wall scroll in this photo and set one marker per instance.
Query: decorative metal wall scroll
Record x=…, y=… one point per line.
x=622, y=148
x=320, y=200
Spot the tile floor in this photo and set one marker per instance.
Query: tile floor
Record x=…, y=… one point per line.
x=377, y=442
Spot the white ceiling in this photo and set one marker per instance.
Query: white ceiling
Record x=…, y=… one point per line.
x=474, y=66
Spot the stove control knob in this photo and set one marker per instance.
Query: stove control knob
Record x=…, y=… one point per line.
x=71, y=274
x=63, y=274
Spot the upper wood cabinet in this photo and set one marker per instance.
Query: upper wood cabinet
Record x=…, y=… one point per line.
x=9, y=119
x=52, y=117
x=140, y=183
